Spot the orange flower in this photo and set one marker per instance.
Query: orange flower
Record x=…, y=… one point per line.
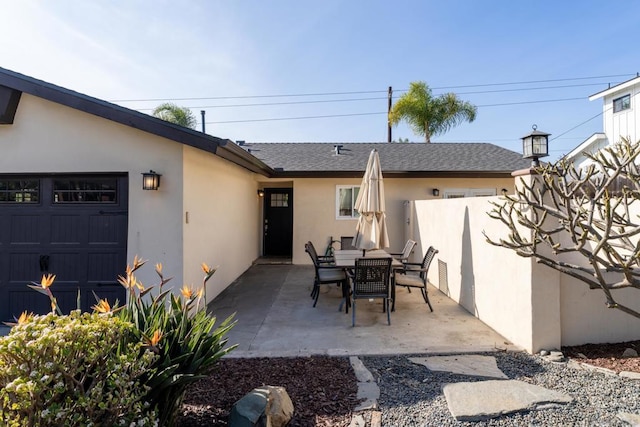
x=187, y=292
x=24, y=317
x=159, y=268
x=155, y=339
x=102, y=306
x=205, y=268
x=47, y=280
x=201, y=292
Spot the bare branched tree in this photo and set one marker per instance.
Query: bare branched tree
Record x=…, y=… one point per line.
x=585, y=211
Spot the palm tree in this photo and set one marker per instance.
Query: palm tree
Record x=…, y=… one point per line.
x=178, y=115
x=428, y=115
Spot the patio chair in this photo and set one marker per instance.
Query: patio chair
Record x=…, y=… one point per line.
x=406, y=252
x=326, y=274
x=321, y=259
x=371, y=278
x=414, y=275
x=346, y=243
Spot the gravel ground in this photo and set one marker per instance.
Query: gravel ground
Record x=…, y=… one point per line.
x=411, y=395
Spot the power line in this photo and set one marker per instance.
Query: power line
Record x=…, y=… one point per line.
x=370, y=91
x=530, y=102
x=295, y=118
x=539, y=81
x=264, y=104
x=324, y=101
x=528, y=88
x=580, y=124
x=382, y=112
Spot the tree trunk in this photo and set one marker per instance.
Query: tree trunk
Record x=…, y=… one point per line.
x=427, y=135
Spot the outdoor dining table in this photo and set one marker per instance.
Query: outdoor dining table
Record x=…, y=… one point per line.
x=347, y=259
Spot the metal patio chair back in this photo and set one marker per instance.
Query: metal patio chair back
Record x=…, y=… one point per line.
x=406, y=252
x=325, y=274
x=371, y=279
x=414, y=275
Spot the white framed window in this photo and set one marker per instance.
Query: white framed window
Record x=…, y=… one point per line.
x=346, y=196
x=622, y=103
x=457, y=193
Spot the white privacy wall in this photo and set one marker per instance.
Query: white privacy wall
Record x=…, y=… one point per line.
x=533, y=306
x=490, y=282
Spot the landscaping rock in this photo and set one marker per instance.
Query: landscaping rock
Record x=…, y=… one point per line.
x=630, y=375
x=629, y=352
x=555, y=356
x=631, y=419
x=463, y=364
x=267, y=406
x=482, y=400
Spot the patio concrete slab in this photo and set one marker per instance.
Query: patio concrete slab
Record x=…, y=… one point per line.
x=276, y=318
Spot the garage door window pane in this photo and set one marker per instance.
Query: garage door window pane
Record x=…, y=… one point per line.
x=19, y=191
x=83, y=190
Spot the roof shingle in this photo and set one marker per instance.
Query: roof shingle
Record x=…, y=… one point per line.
x=395, y=157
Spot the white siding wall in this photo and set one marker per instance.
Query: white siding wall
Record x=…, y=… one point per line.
x=623, y=124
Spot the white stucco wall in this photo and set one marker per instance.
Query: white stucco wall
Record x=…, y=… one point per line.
x=585, y=316
x=49, y=138
x=222, y=206
x=533, y=306
x=490, y=282
x=315, y=207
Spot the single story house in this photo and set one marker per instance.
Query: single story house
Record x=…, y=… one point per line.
x=72, y=201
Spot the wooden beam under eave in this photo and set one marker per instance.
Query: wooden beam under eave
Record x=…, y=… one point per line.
x=9, y=100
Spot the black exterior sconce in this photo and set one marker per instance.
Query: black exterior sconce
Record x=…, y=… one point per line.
x=150, y=180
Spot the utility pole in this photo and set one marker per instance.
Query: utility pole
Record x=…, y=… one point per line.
x=388, y=112
x=202, y=114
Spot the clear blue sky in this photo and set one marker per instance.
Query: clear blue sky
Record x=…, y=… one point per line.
x=122, y=50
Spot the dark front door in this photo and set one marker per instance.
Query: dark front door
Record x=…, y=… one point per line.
x=72, y=226
x=278, y=221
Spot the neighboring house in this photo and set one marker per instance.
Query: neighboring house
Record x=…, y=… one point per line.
x=72, y=202
x=620, y=119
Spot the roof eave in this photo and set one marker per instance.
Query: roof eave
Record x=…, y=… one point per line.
x=617, y=88
x=586, y=144
x=393, y=174
x=230, y=151
x=134, y=119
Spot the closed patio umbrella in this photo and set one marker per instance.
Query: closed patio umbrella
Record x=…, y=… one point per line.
x=371, y=231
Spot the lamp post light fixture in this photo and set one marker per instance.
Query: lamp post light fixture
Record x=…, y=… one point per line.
x=535, y=145
x=150, y=180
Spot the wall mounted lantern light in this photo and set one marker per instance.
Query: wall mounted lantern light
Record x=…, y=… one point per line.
x=261, y=193
x=150, y=180
x=535, y=145
x=435, y=192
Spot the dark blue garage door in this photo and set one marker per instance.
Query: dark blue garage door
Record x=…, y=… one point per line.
x=73, y=226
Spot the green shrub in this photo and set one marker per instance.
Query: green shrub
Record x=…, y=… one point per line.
x=177, y=329
x=75, y=370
